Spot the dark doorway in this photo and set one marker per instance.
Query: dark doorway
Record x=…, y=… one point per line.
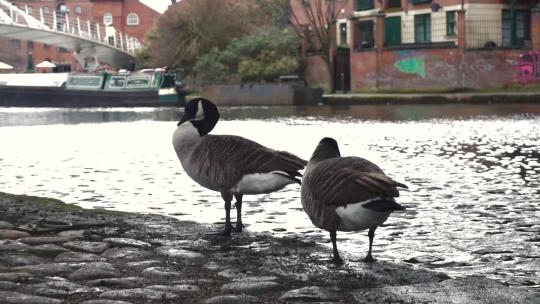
x=342, y=69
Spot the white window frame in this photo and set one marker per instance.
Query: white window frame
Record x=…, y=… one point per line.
x=107, y=19
x=78, y=9
x=132, y=19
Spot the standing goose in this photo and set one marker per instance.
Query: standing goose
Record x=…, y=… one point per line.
x=346, y=193
x=232, y=165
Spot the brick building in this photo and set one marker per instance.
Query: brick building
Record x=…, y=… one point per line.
x=128, y=16
x=434, y=45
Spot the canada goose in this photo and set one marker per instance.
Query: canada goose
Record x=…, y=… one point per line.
x=346, y=193
x=232, y=165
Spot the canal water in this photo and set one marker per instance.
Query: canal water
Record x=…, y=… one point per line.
x=473, y=207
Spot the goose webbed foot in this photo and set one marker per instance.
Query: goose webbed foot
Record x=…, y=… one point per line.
x=225, y=232
x=337, y=260
x=369, y=259
x=238, y=228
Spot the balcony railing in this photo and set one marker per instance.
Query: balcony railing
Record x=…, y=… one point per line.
x=64, y=23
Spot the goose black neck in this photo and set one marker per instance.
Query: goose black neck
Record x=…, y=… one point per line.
x=327, y=148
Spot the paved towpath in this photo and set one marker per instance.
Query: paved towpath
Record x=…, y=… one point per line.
x=432, y=98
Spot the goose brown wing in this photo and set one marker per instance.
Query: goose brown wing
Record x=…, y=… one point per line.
x=341, y=181
x=231, y=157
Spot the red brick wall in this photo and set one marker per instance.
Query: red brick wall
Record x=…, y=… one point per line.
x=316, y=73
x=114, y=7
x=441, y=69
x=120, y=10
x=435, y=68
x=147, y=18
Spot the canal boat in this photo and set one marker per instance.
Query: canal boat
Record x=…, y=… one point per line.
x=144, y=88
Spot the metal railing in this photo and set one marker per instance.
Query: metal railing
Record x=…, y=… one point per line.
x=64, y=23
x=427, y=30
x=495, y=29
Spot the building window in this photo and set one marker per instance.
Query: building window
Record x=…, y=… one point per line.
x=420, y=1
x=520, y=32
x=451, y=23
x=365, y=35
x=363, y=5
x=343, y=34
x=393, y=31
x=107, y=19
x=132, y=19
x=422, y=28
x=62, y=9
x=78, y=10
x=393, y=4
x=29, y=10
x=30, y=45
x=14, y=44
x=46, y=10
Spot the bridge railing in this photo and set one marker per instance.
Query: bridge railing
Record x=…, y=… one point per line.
x=64, y=23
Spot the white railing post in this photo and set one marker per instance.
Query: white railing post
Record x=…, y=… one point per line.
x=11, y=14
x=78, y=26
x=67, y=22
x=129, y=45
x=98, y=32
x=121, y=41
x=55, y=25
x=89, y=29
x=41, y=16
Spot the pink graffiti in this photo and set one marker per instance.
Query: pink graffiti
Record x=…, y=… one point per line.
x=529, y=66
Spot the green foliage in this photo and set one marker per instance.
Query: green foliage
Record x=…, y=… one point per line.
x=226, y=40
x=190, y=29
x=262, y=56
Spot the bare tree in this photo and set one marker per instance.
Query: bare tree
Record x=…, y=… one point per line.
x=314, y=21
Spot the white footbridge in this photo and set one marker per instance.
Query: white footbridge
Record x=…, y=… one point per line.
x=92, y=42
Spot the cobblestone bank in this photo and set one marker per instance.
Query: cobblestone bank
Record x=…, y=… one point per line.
x=52, y=253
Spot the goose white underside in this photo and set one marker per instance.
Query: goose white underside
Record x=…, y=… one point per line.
x=355, y=217
x=258, y=183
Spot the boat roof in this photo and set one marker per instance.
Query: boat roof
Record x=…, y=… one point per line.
x=34, y=79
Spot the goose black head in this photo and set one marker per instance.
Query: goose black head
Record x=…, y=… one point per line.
x=327, y=148
x=202, y=113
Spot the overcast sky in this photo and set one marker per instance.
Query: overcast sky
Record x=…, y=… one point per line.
x=158, y=5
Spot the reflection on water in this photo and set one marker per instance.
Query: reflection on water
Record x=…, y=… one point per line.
x=473, y=173
x=43, y=116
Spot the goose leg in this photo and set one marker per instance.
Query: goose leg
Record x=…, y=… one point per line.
x=337, y=259
x=239, y=225
x=371, y=235
x=227, y=197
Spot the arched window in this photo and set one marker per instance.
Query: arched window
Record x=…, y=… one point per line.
x=29, y=10
x=46, y=10
x=78, y=10
x=132, y=19
x=107, y=19
x=62, y=8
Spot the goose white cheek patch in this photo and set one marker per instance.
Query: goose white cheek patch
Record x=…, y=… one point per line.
x=200, y=112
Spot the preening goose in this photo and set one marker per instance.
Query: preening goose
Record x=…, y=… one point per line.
x=232, y=165
x=346, y=193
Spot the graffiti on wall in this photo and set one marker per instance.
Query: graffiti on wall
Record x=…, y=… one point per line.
x=529, y=66
x=414, y=65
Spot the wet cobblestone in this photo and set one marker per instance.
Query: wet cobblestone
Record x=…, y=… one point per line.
x=103, y=264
